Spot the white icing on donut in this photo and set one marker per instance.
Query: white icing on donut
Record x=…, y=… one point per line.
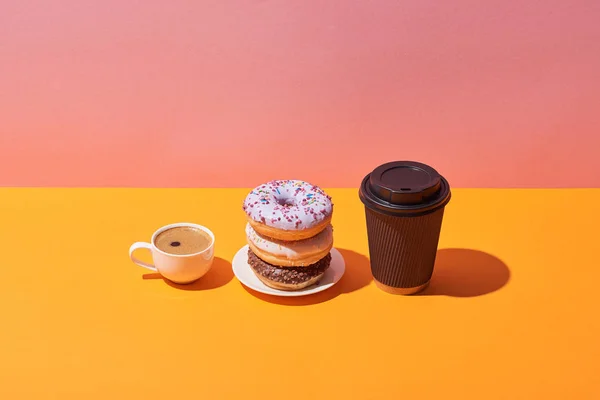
x=291, y=249
x=288, y=205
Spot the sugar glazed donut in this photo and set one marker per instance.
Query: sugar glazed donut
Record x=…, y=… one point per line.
x=289, y=233
x=297, y=253
x=288, y=209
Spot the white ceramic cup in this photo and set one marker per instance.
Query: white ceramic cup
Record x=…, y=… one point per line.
x=178, y=268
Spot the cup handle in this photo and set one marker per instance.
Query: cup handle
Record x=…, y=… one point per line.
x=141, y=245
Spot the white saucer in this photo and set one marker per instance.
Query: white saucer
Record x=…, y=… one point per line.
x=244, y=273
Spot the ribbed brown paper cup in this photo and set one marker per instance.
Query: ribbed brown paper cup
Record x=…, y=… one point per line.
x=404, y=206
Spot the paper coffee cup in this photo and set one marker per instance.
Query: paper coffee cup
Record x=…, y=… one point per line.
x=404, y=206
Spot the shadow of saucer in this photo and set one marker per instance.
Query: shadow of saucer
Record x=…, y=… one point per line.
x=219, y=275
x=466, y=273
x=356, y=276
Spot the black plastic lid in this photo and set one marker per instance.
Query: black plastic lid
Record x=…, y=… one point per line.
x=404, y=188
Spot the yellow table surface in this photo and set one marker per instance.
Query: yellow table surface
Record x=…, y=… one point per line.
x=512, y=311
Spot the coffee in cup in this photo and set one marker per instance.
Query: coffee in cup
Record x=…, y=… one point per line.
x=404, y=207
x=182, y=253
x=183, y=240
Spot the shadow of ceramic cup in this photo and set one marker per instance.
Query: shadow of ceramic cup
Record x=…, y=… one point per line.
x=220, y=274
x=466, y=273
x=356, y=276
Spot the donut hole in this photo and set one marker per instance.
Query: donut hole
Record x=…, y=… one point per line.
x=286, y=201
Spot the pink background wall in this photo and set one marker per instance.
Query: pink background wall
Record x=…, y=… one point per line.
x=231, y=93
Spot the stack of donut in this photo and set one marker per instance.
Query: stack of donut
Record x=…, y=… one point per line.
x=289, y=233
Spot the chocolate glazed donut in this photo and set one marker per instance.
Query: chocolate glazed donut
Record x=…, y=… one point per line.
x=288, y=278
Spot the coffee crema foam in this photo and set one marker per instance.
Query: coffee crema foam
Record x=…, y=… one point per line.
x=183, y=240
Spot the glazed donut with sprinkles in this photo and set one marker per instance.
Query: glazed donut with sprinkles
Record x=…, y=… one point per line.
x=288, y=209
